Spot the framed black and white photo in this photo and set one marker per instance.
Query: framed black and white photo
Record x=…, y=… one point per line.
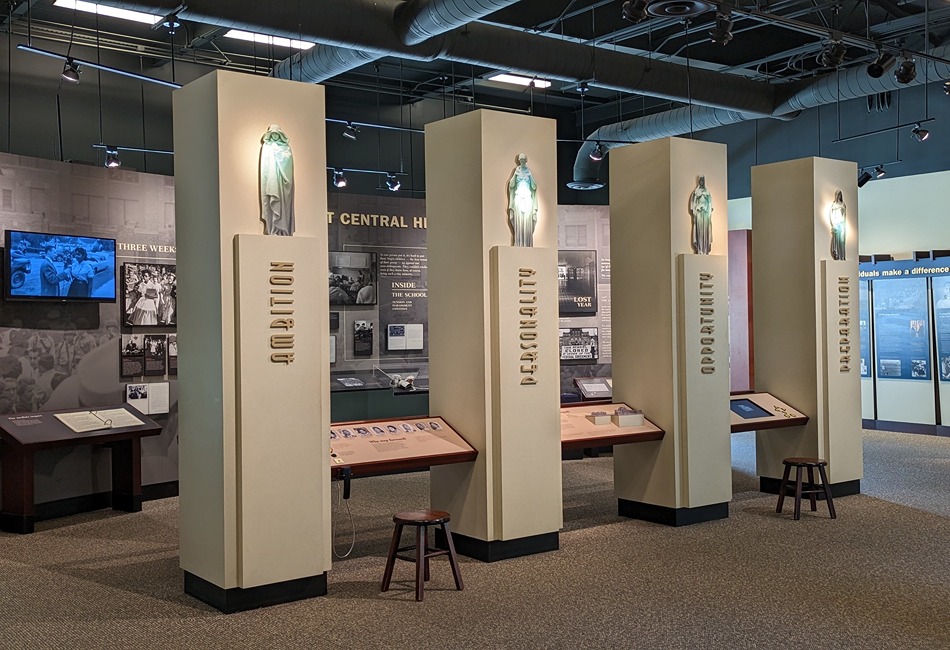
x=363, y=338
x=156, y=348
x=352, y=278
x=149, y=295
x=578, y=344
x=133, y=356
x=577, y=282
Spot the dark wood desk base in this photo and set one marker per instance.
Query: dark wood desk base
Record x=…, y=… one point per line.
x=17, y=514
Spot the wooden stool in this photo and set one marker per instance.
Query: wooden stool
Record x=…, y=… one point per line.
x=421, y=519
x=811, y=489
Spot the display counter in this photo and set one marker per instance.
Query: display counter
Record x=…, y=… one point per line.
x=757, y=411
x=579, y=432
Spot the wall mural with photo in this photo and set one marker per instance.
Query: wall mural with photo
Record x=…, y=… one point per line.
x=58, y=354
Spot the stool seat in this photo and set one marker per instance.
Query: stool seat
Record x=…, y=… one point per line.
x=421, y=519
x=811, y=488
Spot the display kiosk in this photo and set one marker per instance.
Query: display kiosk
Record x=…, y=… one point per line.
x=252, y=331
x=670, y=327
x=493, y=332
x=806, y=323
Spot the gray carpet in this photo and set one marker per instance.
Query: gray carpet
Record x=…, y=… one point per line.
x=877, y=577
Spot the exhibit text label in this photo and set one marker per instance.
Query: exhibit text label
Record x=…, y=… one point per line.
x=377, y=220
x=281, y=306
x=707, y=327
x=528, y=325
x=844, y=323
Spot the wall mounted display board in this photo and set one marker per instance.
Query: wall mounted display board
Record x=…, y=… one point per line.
x=373, y=446
x=133, y=355
x=23, y=435
x=578, y=344
x=755, y=411
x=902, y=329
x=864, y=316
x=579, y=432
x=156, y=346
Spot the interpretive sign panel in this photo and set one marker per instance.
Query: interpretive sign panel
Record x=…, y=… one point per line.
x=864, y=325
x=578, y=429
x=902, y=333
x=941, y=298
x=754, y=411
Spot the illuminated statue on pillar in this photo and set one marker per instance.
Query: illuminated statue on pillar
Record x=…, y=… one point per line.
x=838, y=216
x=700, y=209
x=277, y=183
x=522, y=203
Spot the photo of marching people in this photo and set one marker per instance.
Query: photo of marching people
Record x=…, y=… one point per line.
x=150, y=294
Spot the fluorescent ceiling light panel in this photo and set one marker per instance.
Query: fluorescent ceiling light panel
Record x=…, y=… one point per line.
x=518, y=80
x=102, y=10
x=268, y=40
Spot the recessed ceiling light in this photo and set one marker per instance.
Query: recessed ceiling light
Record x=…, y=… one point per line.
x=102, y=10
x=519, y=80
x=268, y=40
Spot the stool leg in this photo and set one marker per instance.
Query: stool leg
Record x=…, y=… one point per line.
x=391, y=558
x=426, y=554
x=811, y=486
x=453, y=558
x=798, y=492
x=782, y=488
x=420, y=560
x=827, y=488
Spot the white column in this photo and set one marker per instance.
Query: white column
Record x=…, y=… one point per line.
x=805, y=310
x=670, y=331
x=494, y=371
x=254, y=468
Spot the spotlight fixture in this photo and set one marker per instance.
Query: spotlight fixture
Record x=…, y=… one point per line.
x=392, y=183
x=722, y=32
x=112, y=157
x=946, y=87
x=832, y=55
x=880, y=65
x=919, y=134
x=339, y=180
x=634, y=10
x=880, y=172
x=863, y=178
x=583, y=88
x=598, y=153
x=71, y=71
x=906, y=71
x=351, y=132
x=171, y=23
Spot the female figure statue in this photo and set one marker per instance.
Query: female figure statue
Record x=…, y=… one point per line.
x=838, y=216
x=522, y=203
x=700, y=208
x=277, y=183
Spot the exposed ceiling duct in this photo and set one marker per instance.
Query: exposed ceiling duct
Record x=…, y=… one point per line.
x=850, y=83
x=370, y=26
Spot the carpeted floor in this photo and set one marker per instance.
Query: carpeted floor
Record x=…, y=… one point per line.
x=877, y=577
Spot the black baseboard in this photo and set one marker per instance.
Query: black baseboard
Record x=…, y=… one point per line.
x=500, y=549
x=127, y=502
x=672, y=516
x=771, y=485
x=20, y=524
x=236, y=599
x=906, y=427
x=102, y=500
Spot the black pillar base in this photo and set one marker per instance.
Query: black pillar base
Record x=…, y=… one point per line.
x=672, y=516
x=500, y=549
x=239, y=600
x=771, y=485
x=127, y=502
x=22, y=524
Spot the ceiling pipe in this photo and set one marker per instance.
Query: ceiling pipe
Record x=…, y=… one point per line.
x=851, y=83
x=368, y=25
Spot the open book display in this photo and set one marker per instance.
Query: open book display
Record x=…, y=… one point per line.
x=83, y=421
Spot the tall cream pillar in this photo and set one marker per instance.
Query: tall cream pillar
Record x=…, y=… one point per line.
x=493, y=336
x=670, y=330
x=253, y=367
x=805, y=306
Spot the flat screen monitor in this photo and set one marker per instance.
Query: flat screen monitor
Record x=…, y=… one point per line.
x=59, y=268
x=747, y=409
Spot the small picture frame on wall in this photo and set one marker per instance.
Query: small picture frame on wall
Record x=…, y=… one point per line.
x=363, y=338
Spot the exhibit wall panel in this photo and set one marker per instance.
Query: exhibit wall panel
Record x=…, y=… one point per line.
x=525, y=389
x=905, y=214
x=651, y=184
x=218, y=144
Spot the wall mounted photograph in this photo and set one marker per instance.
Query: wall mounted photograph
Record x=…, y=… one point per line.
x=352, y=278
x=578, y=344
x=149, y=294
x=577, y=282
